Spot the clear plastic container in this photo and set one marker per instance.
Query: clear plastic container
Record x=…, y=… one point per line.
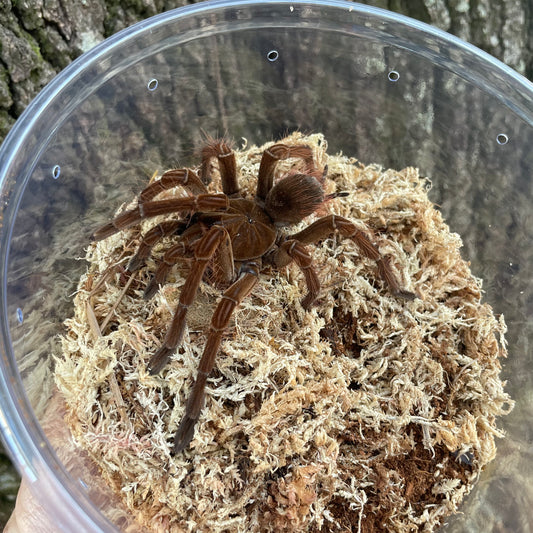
x=381, y=87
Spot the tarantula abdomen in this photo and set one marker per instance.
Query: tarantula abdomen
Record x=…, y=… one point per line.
x=294, y=198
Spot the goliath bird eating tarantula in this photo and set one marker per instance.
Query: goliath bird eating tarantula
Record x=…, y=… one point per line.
x=238, y=234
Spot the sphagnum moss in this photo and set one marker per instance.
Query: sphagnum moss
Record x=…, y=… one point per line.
x=367, y=413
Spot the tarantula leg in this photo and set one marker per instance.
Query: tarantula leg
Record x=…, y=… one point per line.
x=325, y=226
x=231, y=298
x=155, y=234
x=169, y=259
x=202, y=202
x=184, y=177
x=269, y=159
x=203, y=252
x=386, y=273
x=294, y=250
x=223, y=265
x=184, y=248
x=220, y=149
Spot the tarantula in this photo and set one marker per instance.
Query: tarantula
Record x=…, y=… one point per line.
x=239, y=235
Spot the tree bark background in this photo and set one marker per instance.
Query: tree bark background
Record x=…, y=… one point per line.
x=38, y=38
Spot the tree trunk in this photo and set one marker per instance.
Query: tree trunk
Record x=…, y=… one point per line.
x=39, y=38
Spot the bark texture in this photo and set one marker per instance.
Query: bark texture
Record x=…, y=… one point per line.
x=38, y=38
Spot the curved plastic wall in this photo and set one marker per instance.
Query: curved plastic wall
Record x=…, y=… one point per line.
x=381, y=87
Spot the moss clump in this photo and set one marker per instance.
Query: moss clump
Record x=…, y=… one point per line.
x=367, y=413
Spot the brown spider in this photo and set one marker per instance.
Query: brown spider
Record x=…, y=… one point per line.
x=239, y=234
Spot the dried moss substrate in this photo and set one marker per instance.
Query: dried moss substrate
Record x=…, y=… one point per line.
x=368, y=413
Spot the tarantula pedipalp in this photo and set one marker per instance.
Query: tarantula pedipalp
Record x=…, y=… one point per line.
x=239, y=234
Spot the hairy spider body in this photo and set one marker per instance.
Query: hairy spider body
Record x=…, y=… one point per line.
x=248, y=226
x=235, y=235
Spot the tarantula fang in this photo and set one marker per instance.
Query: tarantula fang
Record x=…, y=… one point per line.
x=237, y=235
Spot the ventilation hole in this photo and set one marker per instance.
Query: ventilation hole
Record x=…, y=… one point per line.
x=152, y=84
x=20, y=315
x=273, y=55
x=501, y=138
x=56, y=172
x=394, y=75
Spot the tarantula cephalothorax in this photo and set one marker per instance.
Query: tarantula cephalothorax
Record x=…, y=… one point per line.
x=239, y=234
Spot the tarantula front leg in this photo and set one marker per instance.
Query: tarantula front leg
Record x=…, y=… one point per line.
x=178, y=251
x=189, y=204
x=203, y=252
x=231, y=298
x=293, y=250
x=220, y=149
x=327, y=225
x=184, y=177
x=269, y=160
